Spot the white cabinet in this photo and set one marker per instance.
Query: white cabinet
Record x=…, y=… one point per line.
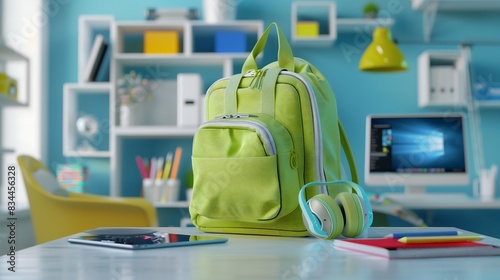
x=196, y=49
x=322, y=17
x=442, y=79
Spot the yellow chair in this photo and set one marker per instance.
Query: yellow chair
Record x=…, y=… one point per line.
x=56, y=213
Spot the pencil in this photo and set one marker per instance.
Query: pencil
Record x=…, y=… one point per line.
x=168, y=165
x=177, y=160
x=440, y=239
x=159, y=170
x=421, y=233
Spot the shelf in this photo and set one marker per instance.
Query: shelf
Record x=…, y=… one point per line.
x=175, y=204
x=345, y=25
x=140, y=59
x=153, y=131
x=7, y=101
x=325, y=14
x=90, y=154
x=493, y=104
x=431, y=7
x=457, y=5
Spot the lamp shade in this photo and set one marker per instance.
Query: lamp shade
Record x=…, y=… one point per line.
x=382, y=55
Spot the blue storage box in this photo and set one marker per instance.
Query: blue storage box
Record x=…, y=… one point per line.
x=230, y=41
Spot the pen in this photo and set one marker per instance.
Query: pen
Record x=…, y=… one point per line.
x=422, y=233
x=440, y=239
x=142, y=167
x=175, y=166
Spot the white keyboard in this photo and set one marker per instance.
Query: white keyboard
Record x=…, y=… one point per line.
x=428, y=197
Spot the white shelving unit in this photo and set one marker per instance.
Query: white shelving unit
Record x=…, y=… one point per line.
x=325, y=13
x=15, y=66
x=430, y=8
x=196, y=54
x=352, y=25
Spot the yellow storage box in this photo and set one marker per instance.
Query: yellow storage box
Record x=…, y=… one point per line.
x=307, y=28
x=159, y=42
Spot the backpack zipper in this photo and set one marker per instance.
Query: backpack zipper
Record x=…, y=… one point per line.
x=262, y=130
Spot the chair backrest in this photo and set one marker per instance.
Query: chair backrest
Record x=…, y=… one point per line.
x=56, y=213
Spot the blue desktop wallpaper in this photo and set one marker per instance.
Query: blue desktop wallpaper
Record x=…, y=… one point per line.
x=425, y=145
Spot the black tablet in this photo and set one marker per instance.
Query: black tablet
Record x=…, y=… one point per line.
x=140, y=239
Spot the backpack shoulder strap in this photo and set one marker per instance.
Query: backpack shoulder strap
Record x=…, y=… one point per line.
x=348, y=153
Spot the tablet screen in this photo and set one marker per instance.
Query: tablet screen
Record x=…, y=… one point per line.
x=145, y=241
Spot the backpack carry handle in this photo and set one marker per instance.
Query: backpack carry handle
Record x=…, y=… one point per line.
x=285, y=55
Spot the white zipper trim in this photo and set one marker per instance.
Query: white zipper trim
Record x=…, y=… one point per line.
x=318, y=144
x=268, y=139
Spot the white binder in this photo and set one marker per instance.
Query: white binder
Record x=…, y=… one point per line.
x=189, y=87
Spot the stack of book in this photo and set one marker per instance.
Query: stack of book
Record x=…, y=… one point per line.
x=97, y=68
x=429, y=244
x=71, y=177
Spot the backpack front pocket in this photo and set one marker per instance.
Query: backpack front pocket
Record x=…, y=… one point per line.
x=243, y=169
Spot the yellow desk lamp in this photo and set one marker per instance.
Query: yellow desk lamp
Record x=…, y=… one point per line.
x=382, y=55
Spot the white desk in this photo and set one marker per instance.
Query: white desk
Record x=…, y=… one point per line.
x=443, y=201
x=243, y=257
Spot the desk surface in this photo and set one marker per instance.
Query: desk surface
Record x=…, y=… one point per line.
x=443, y=201
x=243, y=257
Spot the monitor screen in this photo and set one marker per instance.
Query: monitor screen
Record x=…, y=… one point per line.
x=416, y=150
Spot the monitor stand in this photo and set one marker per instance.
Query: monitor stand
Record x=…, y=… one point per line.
x=420, y=193
x=415, y=190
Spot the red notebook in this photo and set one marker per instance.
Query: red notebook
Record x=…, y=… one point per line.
x=393, y=249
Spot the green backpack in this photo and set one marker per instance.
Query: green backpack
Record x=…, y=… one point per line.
x=268, y=132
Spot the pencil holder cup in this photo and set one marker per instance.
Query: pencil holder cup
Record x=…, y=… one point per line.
x=148, y=189
x=169, y=190
x=189, y=194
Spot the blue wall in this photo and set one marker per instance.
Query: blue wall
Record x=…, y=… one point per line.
x=358, y=93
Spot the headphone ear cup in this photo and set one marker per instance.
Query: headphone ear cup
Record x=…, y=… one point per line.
x=353, y=213
x=328, y=213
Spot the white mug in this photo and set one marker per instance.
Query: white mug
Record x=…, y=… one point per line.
x=485, y=185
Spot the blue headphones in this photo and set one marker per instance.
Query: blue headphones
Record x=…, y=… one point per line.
x=349, y=213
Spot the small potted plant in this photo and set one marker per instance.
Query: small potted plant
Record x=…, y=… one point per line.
x=132, y=90
x=370, y=10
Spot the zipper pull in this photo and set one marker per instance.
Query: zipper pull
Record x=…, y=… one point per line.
x=235, y=116
x=256, y=82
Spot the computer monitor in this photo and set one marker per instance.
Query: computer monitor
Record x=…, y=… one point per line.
x=416, y=151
